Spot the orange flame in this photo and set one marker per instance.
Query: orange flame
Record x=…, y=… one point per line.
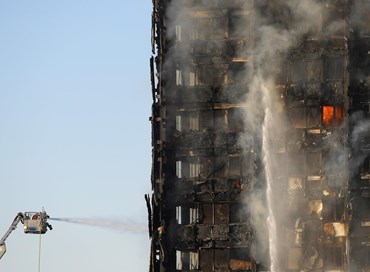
x=327, y=115
x=331, y=115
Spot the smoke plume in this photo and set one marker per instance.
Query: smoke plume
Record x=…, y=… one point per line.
x=265, y=115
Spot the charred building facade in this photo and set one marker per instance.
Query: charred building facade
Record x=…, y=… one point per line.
x=260, y=135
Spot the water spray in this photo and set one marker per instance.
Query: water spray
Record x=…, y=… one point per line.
x=105, y=223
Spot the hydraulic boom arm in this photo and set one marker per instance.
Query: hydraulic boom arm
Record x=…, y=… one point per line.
x=33, y=223
x=13, y=226
x=17, y=219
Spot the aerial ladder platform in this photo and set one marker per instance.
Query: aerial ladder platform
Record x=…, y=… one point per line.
x=33, y=223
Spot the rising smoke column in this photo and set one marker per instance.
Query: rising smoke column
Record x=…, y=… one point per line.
x=265, y=115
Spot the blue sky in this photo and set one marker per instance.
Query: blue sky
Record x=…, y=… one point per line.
x=74, y=132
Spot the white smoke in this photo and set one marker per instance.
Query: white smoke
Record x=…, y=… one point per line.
x=360, y=16
x=359, y=139
x=266, y=116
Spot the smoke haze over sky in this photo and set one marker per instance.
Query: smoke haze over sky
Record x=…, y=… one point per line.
x=75, y=137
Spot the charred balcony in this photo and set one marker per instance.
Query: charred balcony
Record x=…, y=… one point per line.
x=218, y=235
x=207, y=139
x=206, y=94
x=215, y=189
x=216, y=259
x=219, y=51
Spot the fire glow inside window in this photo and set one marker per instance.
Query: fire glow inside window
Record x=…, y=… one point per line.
x=332, y=115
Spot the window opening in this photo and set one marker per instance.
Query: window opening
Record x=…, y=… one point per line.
x=194, y=33
x=314, y=70
x=194, y=215
x=234, y=29
x=298, y=71
x=333, y=68
x=194, y=260
x=315, y=208
x=178, y=169
x=312, y=117
x=179, y=81
x=178, y=123
x=221, y=213
x=234, y=166
x=190, y=76
x=235, y=120
x=178, y=215
x=240, y=259
x=193, y=79
x=298, y=117
x=221, y=258
x=207, y=210
x=206, y=120
x=237, y=213
x=313, y=163
x=178, y=260
x=206, y=259
x=194, y=170
x=178, y=33
x=332, y=115
x=333, y=257
x=194, y=121
x=295, y=184
x=220, y=119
